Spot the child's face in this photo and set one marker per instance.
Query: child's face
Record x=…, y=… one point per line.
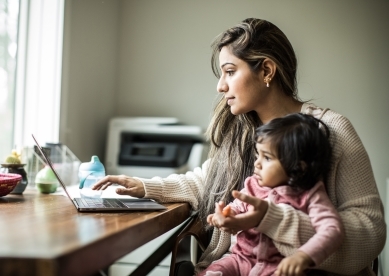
x=267, y=167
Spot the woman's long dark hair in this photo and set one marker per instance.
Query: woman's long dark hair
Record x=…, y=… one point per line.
x=232, y=137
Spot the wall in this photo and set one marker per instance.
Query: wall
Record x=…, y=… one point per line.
x=90, y=75
x=152, y=58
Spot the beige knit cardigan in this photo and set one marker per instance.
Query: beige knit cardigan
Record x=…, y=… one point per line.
x=351, y=188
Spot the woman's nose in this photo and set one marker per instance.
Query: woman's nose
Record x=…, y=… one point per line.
x=221, y=86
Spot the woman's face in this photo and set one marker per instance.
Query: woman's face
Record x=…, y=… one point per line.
x=267, y=167
x=242, y=88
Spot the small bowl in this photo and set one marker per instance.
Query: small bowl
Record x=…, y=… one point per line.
x=17, y=169
x=8, y=182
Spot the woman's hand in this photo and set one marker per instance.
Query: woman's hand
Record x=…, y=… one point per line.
x=235, y=223
x=132, y=187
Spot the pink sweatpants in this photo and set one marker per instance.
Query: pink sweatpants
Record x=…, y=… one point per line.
x=254, y=254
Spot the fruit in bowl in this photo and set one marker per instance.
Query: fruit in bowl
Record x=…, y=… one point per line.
x=8, y=182
x=13, y=158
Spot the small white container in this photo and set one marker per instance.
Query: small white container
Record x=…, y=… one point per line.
x=86, y=191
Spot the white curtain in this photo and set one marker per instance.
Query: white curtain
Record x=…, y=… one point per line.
x=38, y=85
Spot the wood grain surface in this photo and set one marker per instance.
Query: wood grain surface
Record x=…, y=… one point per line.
x=44, y=234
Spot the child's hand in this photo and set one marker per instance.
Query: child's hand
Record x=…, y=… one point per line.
x=218, y=218
x=212, y=219
x=233, y=223
x=294, y=265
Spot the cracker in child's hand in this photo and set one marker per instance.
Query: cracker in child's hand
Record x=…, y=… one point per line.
x=226, y=211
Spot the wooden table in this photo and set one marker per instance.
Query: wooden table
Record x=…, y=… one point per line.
x=45, y=235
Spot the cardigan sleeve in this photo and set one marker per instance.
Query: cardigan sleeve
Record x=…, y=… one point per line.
x=352, y=189
x=186, y=187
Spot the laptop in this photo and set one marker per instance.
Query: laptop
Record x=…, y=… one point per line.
x=103, y=204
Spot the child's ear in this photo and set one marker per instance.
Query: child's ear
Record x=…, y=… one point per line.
x=303, y=166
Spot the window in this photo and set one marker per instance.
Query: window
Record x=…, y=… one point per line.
x=30, y=71
x=9, y=11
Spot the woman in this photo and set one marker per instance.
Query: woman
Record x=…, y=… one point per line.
x=258, y=80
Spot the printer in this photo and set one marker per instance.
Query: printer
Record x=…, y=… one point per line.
x=153, y=146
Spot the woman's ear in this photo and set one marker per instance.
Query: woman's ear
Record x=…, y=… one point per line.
x=269, y=68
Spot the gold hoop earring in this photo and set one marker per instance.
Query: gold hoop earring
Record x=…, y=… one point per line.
x=267, y=80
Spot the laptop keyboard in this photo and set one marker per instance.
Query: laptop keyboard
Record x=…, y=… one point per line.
x=125, y=204
x=98, y=202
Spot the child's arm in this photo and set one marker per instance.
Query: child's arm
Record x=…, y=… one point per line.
x=294, y=265
x=327, y=224
x=328, y=237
